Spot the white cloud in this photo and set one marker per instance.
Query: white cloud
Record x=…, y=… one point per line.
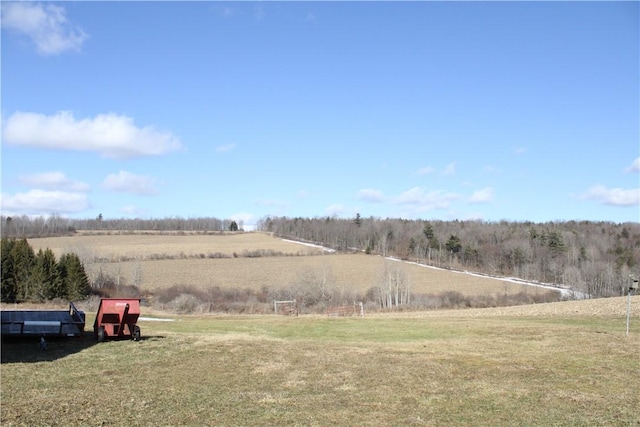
x=45, y=24
x=126, y=182
x=134, y=211
x=482, y=196
x=111, y=135
x=54, y=181
x=614, y=196
x=225, y=11
x=371, y=196
x=244, y=220
x=423, y=201
x=225, y=148
x=426, y=170
x=473, y=216
x=490, y=169
x=41, y=202
x=634, y=167
x=519, y=150
x=259, y=12
x=450, y=169
x=335, y=210
x=272, y=203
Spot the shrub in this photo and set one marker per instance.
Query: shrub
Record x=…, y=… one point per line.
x=185, y=304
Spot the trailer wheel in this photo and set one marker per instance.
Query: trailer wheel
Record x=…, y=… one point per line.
x=136, y=333
x=102, y=334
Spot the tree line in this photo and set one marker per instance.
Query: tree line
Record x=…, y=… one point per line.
x=56, y=225
x=30, y=276
x=595, y=258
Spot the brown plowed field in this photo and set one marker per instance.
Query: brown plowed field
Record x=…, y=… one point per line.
x=148, y=254
x=144, y=245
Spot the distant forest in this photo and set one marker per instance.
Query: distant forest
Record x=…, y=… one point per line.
x=595, y=258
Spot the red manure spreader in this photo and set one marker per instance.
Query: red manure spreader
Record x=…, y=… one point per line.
x=116, y=318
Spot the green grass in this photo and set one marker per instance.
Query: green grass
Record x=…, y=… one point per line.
x=271, y=370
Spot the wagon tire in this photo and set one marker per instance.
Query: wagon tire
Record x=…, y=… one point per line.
x=102, y=334
x=136, y=333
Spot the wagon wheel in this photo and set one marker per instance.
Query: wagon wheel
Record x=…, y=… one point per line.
x=102, y=334
x=136, y=333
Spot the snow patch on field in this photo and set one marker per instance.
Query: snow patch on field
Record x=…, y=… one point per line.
x=565, y=291
x=310, y=245
x=155, y=319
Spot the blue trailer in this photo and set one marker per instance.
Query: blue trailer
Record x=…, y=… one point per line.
x=69, y=323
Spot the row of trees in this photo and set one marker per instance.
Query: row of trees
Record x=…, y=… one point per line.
x=56, y=225
x=591, y=257
x=30, y=276
x=595, y=258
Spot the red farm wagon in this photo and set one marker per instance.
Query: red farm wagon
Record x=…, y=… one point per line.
x=116, y=318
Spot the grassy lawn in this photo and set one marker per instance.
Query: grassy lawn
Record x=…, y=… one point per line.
x=270, y=370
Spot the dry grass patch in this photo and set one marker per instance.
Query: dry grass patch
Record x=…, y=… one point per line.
x=146, y=246
x=357, y=272
x=158, y=261
x=601, y=307
x=389, y=371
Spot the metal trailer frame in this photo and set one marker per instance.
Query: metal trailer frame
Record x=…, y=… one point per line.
x=116, y=318
x=42, y=323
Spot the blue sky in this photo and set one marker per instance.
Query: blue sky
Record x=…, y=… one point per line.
x=420, y=110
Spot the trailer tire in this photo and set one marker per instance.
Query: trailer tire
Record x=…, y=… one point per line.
x=136, y=333
x=102, y=334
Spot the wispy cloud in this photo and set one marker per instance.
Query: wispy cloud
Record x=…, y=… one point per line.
x=225, y=148
x=482, y=196
x=244, y=218
x=614, y=196
x=490, y=169
x=519, y=150
x=450, y=169
x=42, y=202
x=427, y=170
x=45, y=24
x=126, y=182
x=275, y=206
x=370, y=195
x=634, y=167
x=111, y=135
x=420, y=200
x=259, y=12
x=335, y=210
x=53, y=181
x=224, y=11
x=134, y=211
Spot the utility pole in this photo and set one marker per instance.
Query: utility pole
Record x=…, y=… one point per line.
x=632, y=287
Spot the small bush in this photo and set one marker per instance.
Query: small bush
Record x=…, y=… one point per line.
x=185, y=304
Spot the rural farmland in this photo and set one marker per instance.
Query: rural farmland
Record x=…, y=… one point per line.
x=549, y=364
x=559, y=363
x=164, y=260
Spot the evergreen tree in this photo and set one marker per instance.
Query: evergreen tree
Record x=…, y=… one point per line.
x=8, y=283
x=73, y=276
x=453, y=244
x=23, y=258
x=46, y=283
x=428, y=231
